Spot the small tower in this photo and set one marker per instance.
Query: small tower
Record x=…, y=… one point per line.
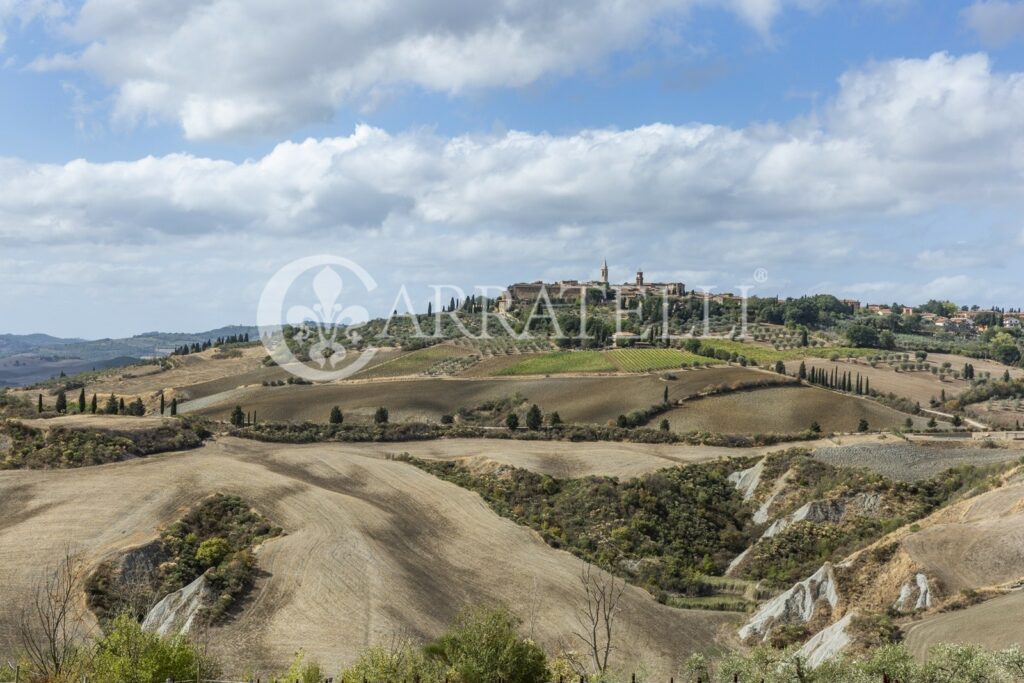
x=639, y=278
x=604, y=271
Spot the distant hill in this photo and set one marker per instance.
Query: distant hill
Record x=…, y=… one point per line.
x=29, y=358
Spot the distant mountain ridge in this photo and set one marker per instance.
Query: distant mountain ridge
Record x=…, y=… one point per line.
x=29, y=358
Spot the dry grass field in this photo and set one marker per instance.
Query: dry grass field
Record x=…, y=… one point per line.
x=118, y=423
x=186, y=371
x=897, y=459
x=975, y=543
x=1007, y=413
x=783, y=410
x=561, y=459
x=374, y=548
x=577, y=399
x=921, y=386
x=993, y=624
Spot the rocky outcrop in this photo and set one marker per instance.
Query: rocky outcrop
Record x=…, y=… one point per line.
x=747, y=480
x=798, y=605
x=830, y=511
x=177, y=612
x=827, y=642
x=914, y=595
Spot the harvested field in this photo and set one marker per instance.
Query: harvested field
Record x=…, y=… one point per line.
x=193, y=369
x=975, y=543
x=119, y=423
x=374, y=548
x=921, y=386
x=559, y=458
x=994, y=624
x=782, y=410
x=909, y=462
x=577, y=399
x=1008, y=414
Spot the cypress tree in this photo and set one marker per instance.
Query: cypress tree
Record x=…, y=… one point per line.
x=664, y=398
x=40, y=403
x=120, y=406
x=174, y=406
x=336, y=417
x=534, y=418
x=93, y=405
x=161, y=403
x=111, y=407
x=803, y=370
x=866, y=386
x=81, y=400
x=62, y=402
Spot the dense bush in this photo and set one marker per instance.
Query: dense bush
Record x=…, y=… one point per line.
x=661, y=530
x=313, y=432
x=127, y=654
x=214, y=538
x=63, y=447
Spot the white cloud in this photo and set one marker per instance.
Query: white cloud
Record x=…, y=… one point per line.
x=901, y=137
x=236, y=67
x=997, y=22
x=841, y=190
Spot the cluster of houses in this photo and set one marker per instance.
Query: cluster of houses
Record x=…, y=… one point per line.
x=565, y=291
x=569, y=291
x=960, y=322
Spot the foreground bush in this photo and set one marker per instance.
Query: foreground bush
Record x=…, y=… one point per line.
x=482, y=646
x=127, y=654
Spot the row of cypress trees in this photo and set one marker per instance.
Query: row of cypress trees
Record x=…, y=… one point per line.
x=113, y=405
x=841, y=381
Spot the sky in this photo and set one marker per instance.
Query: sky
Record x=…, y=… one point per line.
x=161, y=161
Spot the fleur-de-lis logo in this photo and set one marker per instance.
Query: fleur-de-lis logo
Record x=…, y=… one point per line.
x=322, y=324
x=324, y=327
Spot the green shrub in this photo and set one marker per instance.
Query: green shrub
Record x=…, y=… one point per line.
x=483, y=646
x=127, y=654
x=212, y=551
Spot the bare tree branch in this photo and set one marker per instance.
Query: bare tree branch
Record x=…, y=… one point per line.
x=596, y=616
x=51, y=628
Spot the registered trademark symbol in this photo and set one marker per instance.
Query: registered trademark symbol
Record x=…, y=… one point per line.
x=760, y=275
